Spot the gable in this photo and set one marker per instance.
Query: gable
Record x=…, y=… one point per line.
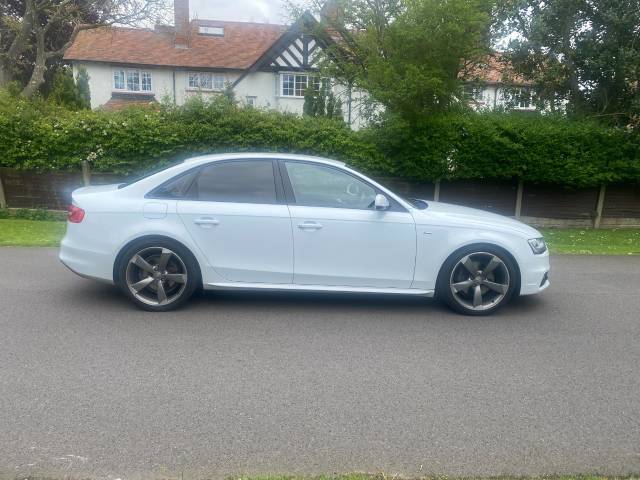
x=301, y=53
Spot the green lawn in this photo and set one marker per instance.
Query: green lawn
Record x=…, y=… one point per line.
x=593, y=242
x=32, y=233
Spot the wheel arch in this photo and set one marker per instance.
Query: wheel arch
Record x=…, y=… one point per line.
x=481, y=245
x=151, y=238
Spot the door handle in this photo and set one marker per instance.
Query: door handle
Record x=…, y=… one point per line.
x=206, y=221
x=309, y=225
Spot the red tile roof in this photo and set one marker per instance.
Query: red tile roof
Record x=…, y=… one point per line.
x=241, y=45
x=494, y=70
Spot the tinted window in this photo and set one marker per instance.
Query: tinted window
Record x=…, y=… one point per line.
x=176, y=187
x=242, y=181
x=320, y=186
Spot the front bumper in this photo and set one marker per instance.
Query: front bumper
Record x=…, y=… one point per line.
x=535, y=274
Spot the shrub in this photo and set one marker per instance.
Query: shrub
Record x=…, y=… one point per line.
x=36, y=135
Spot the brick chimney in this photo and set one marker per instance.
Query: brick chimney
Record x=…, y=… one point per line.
x=181, y=23
x=332, y=12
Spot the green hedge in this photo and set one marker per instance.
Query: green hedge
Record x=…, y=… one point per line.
x=37, y=136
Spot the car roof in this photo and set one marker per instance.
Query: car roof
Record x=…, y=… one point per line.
x=262, y=156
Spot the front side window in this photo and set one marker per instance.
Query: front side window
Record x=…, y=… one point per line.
x=322, y=186
x=250, y=181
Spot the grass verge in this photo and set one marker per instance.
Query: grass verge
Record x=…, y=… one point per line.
x=577, y=241
x=35, y=233
x=31, y=233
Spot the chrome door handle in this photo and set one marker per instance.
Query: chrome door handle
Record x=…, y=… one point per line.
x=206, y=221
x=310, y=225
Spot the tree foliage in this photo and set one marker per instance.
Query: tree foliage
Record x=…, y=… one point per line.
x=584, y=53
x=408, y=55
x=322, y=102
x=70, y=93
x=34, y=34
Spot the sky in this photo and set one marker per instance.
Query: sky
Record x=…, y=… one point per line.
x=262, y=11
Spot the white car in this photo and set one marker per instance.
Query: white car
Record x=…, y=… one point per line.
x=294, y=222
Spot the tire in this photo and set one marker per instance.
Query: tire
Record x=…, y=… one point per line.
x=478, y=280
x=157, y=274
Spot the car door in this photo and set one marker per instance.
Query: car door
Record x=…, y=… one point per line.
x=339, y=238
x=237, y=215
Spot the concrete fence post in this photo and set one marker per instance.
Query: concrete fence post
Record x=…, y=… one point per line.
x=86, y=173
x=599, y=206
x=436, y=191
x=3, y=198
x=519, y=193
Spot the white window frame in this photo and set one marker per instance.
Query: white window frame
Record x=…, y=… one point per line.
x=310, y=78
x=215, y=86
x=126, y=72
x=519, y=102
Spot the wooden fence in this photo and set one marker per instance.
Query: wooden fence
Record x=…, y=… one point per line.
x=544, y=205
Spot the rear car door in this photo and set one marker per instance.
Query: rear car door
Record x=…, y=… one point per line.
x=236, y=213
x=339, y=237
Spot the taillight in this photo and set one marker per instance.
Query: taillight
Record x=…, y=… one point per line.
x=75, y=214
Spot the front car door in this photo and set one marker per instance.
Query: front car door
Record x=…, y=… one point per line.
x=237, y=215
x=339, y=237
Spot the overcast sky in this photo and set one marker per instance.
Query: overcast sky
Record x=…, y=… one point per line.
x=262, y=11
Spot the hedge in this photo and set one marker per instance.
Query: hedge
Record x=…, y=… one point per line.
x=541, y=149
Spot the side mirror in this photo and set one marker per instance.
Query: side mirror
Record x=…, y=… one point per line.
x=381, y=202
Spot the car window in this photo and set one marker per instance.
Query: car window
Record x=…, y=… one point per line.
x=321, y=186
x=250, y=181
x=176, y=187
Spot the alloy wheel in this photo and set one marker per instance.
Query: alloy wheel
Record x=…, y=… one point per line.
x=479, y=281
x=156, y=276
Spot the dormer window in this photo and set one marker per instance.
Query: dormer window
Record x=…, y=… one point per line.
x=215, y=31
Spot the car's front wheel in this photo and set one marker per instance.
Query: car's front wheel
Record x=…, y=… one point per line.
x=158, y=275
x=477, y=280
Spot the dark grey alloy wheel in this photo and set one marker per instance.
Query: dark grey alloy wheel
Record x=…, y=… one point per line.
x=156, y=276
x=478, y=280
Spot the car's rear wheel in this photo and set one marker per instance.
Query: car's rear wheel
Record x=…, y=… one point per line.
x=158, y=275
x=477, y=280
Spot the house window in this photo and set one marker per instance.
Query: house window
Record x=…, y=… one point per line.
x=206, y=81
x=215, y=31
x=294, y=85
x=523, y=98
x=131, y=80
x=146, y=81
x=118, y=79
x=251, y=101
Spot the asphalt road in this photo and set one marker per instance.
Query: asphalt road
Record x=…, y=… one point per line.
x=260, y=383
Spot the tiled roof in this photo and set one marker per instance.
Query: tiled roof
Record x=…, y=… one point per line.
x=494, y=70
x=241, y=45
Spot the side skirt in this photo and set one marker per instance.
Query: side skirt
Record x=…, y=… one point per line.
x=316, y=288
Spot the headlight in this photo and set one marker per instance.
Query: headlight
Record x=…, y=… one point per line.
x=538, y=245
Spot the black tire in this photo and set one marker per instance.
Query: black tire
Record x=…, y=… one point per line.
x=165, y=289
x=496, y=287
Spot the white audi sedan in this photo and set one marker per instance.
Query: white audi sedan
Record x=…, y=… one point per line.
x=292, y=222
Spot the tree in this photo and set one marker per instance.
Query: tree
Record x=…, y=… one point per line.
x=584, y=53
x=82, y=84
x=35, y=33
x=408, y=55
x=69, y=93
x=322, y=102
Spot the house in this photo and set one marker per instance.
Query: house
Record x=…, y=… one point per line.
x=267, y=66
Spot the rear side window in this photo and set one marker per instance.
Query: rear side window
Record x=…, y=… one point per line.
x=177, y=187
x=250, y=181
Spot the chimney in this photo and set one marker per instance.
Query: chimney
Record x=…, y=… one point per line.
x=181, y=23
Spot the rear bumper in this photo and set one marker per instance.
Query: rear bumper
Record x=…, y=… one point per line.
x=535, y=274
x=84, y=261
